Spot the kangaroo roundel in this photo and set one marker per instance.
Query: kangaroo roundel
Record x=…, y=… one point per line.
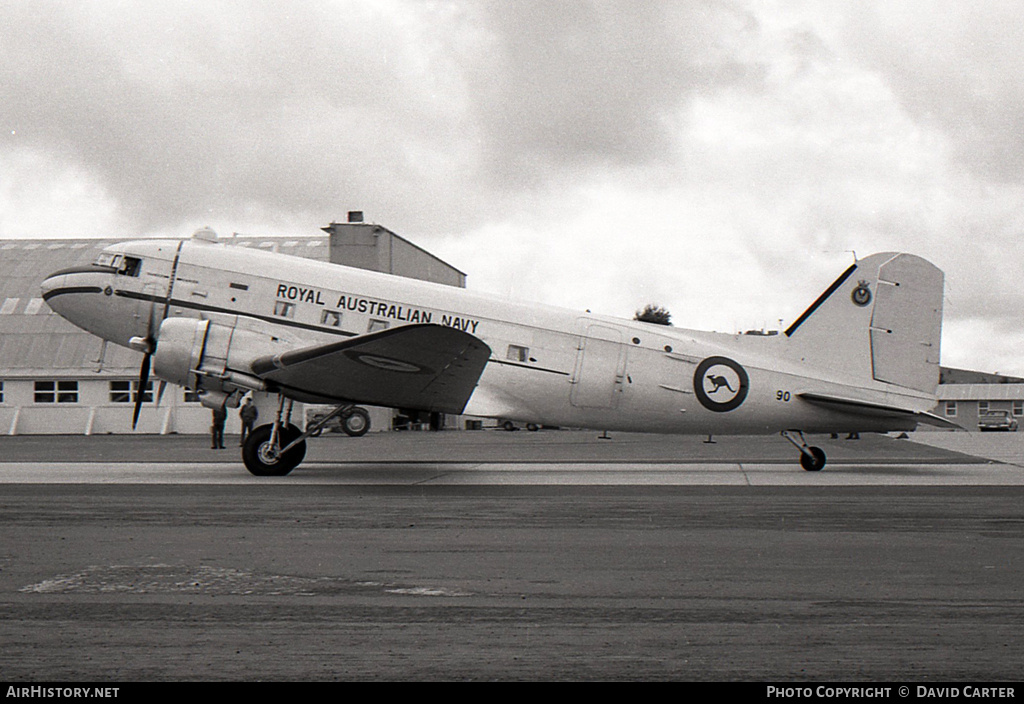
x=720, y=384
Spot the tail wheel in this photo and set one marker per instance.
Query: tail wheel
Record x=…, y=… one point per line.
x=263, y=460
x=356, y=423
x=813, y=462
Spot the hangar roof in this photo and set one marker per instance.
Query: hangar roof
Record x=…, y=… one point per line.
x=37, y=343
x=981, y=392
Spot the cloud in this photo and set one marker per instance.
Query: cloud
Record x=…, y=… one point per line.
x=187, y=110
x=955, y=66
x=721, y=158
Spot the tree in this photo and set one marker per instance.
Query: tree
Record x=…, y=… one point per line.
x=653, y=313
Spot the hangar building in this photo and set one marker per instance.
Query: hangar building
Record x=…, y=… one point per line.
x=58, y=379
x=965, y=395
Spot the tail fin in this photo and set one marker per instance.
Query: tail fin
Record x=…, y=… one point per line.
x=882, y=319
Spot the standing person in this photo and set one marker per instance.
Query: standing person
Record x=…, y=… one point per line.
x=217, y=429
x=248, y=414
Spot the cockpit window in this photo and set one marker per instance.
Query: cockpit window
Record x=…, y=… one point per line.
x=122, y=263
x=109, y=259
x=130, y=266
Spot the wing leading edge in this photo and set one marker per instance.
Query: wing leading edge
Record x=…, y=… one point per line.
x=424, y=367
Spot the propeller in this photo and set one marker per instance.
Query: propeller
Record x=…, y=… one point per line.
x=146, y=345
x=140, y=392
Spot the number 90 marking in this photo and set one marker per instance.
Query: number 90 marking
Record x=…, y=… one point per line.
x=782, y=396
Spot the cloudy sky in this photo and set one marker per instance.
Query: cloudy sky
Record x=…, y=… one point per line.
x=722, y=158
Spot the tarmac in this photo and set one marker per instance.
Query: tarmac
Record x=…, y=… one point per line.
x=486, y=555
x=547, y=457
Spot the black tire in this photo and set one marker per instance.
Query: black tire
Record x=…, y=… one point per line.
x=815, y=462
x=508, y=425
x=256, y=459
x=356, y=423
x=532, y=427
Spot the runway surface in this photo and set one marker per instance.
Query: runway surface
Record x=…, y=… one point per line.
x=547, y=556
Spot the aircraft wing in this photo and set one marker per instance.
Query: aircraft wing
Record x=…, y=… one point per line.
x=876, y=410
x=425, y=367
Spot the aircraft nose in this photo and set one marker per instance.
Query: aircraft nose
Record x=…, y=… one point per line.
x=63, y=290
x=51, y=287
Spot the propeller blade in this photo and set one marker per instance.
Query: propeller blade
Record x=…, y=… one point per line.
x=160, y=392
x=140, y=392
x=149, y=345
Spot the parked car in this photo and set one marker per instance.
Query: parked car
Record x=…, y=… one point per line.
x=997, y=420
x=354, y=422
x=513, y=425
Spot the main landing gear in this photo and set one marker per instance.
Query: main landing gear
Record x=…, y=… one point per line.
x=811, y=458
x=275, y=449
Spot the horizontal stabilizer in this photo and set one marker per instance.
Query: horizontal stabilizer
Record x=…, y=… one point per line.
x=422, y=367
x=875, y=410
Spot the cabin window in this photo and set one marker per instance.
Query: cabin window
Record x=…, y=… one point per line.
x=284, y=309
x=56, y=392
x=378, y=325
x=517, y=353
x=331, y=318
x=951, y=409
x=1018, y=406
x=125, y=391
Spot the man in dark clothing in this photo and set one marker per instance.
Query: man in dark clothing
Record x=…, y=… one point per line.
x=217, y=429
x=248, y=414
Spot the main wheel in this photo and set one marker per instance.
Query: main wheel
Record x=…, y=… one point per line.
x=815, y=462
x=356, y=423
x=260, y=458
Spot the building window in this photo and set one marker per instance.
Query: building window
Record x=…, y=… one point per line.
x=517, y=353
x=331, y=318
x=951, y=409
x=56, y=392
x=982, y=406
x=1, y=392
x=1018, y=407
x=191, y=396
x=284, y=309
x=377, y=325
x=127, y=391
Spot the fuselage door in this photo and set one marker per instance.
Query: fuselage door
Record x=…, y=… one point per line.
x=600, y=368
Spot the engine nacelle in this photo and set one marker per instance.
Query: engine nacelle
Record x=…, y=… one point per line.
x=207, y=358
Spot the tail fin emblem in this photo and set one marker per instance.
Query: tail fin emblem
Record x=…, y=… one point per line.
x=862, y=294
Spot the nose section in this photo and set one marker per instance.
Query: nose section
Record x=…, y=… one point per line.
x=72, y=294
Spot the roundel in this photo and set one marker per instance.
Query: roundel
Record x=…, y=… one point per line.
x=388, y=364
x=720, y=384
x=862, y=294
